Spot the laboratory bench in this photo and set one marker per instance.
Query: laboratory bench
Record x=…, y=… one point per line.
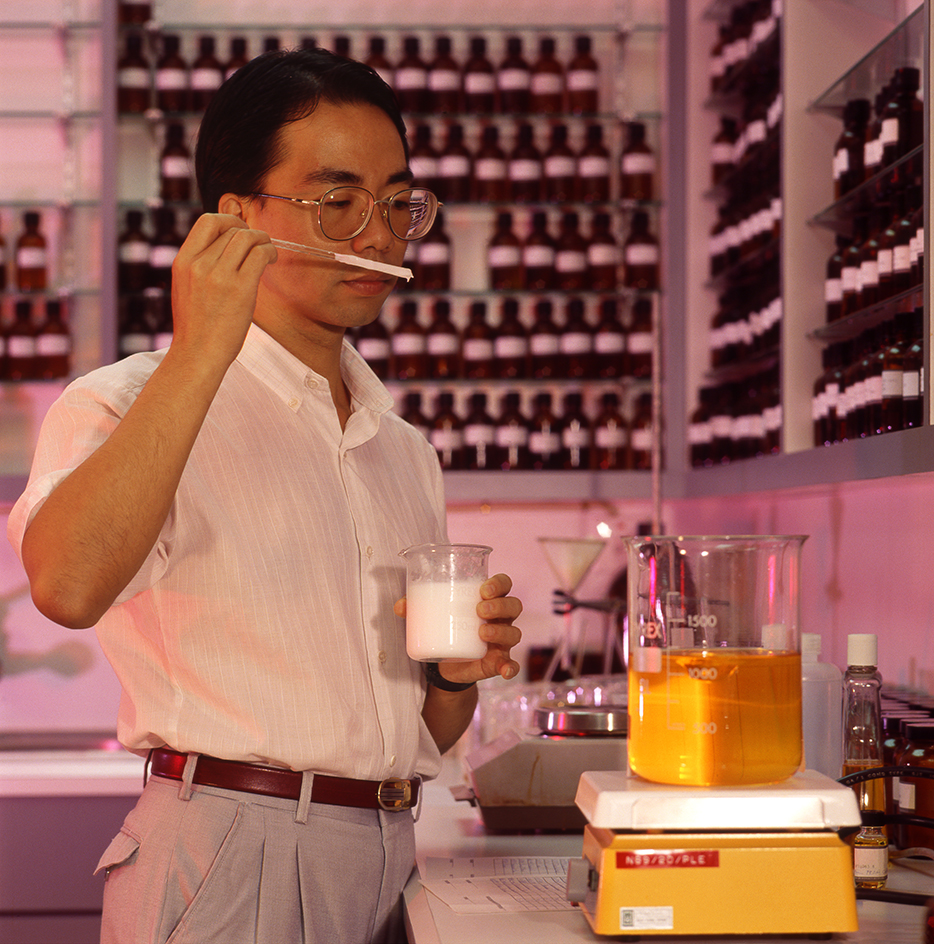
x=453, y=829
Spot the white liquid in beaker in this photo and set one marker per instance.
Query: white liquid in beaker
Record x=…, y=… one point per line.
x=441, y=622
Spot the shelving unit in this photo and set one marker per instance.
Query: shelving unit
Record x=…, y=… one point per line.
x=813, y=100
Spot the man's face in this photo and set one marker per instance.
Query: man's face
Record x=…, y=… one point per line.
x=337, y=145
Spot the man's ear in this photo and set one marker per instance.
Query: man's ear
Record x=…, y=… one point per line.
x=232, y=204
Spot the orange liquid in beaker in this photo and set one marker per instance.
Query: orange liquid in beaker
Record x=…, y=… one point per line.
x=716, y=717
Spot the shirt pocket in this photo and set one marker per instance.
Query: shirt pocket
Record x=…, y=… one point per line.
x=121, y=850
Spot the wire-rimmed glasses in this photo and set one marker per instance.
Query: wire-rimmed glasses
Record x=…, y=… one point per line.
x=344, y=212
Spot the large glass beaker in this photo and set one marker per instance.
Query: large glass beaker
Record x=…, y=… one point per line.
x=715, y=658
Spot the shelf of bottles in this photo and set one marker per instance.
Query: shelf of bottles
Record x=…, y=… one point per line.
x=873, y=333
x=524, y=340
x=50, y=193
x=739, y=413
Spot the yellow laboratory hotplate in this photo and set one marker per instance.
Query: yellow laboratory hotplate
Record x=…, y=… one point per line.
x=667, y=860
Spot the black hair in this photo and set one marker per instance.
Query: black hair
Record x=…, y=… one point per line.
x=238, y=142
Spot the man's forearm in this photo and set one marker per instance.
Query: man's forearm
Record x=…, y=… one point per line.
x=448, y=714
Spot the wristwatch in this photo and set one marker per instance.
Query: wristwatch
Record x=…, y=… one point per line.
x=439, y=681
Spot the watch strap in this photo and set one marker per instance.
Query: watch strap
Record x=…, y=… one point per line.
x=435, y=678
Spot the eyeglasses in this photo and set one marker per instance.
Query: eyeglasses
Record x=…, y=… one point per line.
x=344, y=212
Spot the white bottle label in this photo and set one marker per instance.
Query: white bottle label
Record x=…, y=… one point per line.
x=454, y=165
x=593, y=166
x=559, y=165
x=639, y=162
x=544, y=443
x=411, y=78
x=171, y=80
x=373, y=349
x=442, y=344
x=479, y=83
x=502, y=257
x=510, y=346
x=566, y=261
x=434, y=254
x=490, y=168
x=408, y=344
x=31, y=257
x=478, y=349
x=510, y=80
x=444, y=80
x=53, y=345
x=174, y=168
x=641, y=254
x=133, y=78
x=206, y=80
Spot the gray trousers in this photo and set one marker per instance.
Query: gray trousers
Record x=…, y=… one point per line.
x=200, y=865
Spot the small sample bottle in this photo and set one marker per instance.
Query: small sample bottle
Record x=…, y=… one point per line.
x=175, y=165
x=479, y=435
x=512, y=434
x=609, y=341
x=610, y=435
x=133, y=82
x=575, y=433
x=444, y=80
x=479, y=80
x=583, y=79
x=31, y=256
x=133, y=255
x=576, y=342
x=433, y=270
x=408, y=345
x=637, y=166
x=443, y=343
x=447, y=433
x=477, y=345
x=172, y=79
x=544, y=343
x=411, y=77
x=21, y=361
x=510, y=344
x=862, y=718
x=640, y=255
x=570, y=255
x=524, y=167
x=491, y=178
x=559, y=167
x=163, y=249
x=603, y=255
x=546, y=89
x=504, y=256
x=593, y=167
x=134, y=12
x=544, y=435
x=871, y=852
x=538, y=255
x=454, y=180
x=135, y=331
x=514, y=79
x=372, y=344
x=207, y=74
x=53, y=344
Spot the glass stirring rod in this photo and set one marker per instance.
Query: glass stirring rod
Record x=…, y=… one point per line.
x=358, y=261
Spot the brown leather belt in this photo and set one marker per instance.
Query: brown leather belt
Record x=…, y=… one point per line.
x=394, y=793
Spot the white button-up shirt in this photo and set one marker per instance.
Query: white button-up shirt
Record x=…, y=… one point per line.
x=260, y=628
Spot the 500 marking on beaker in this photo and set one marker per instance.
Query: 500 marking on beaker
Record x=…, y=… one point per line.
x=653, y=629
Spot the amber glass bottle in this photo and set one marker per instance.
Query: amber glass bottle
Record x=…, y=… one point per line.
x=640, y=255
x=538, y=255
x=570, y=255
x=133, y=81
x=576, y=342
x=477, y=344
x=546, y=90
x=53, y=343
x=444, y=80
x=207, y=74
x=171, y=78
x=491, y=180
x=504, y=256
x=583, y=79
x=175, y=165
x=544, y=343
x=447, y=433
x=511, y=344
x=637, y=166
x=603, y=255
x=443, y=343
x=411, y=78
x=479, y=80
x=514, y=79
x=31, y=256
x=408, y=345
x=593, y=167
x=559, y=167
x=524, y=167
x=479, y=435
x=544, y=434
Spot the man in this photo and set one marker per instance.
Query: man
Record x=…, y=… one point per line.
x=229, y=513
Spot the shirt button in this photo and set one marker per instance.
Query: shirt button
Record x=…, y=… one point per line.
x=392, y=761
x=381, y=656
x=311, y=382
x=293, y=403
x=369, y=551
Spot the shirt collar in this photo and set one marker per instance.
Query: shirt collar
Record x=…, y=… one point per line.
x=289, y=379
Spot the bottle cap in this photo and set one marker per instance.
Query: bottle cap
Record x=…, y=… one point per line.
x=862, y=649
x=872, y=817
x=810, y=647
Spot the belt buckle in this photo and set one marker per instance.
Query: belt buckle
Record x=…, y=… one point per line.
x=394, y=794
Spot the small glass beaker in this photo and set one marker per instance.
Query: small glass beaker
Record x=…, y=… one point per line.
x=715, y=658
x=442, y=590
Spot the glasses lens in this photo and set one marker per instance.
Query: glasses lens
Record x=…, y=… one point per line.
x=344, y=212
x=411, y=213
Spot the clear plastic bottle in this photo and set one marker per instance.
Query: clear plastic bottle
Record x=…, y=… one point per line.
x=821, y=706
x=862, y=718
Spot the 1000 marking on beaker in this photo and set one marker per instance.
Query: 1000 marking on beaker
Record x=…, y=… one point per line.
x=715, y=716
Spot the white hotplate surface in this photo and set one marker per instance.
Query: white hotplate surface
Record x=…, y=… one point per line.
x=807, y=800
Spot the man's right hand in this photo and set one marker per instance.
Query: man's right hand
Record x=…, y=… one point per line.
x=215, y=278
